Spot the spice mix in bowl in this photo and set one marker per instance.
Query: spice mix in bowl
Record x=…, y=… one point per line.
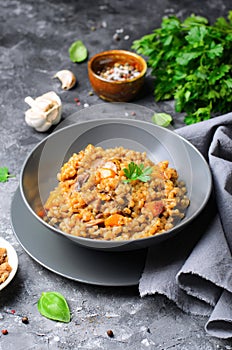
x=117, y=75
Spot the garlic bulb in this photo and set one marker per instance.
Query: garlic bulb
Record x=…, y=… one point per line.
x=45, y=111
x=67, y=79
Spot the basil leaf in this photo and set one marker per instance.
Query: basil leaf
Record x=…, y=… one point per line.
x=54, y=306
x=78, y=52
x=161, y=119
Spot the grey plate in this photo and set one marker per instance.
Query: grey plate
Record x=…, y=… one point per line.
x=38, y=176
x=77, y=263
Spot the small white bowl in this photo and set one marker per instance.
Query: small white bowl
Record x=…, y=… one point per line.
x=12, y=260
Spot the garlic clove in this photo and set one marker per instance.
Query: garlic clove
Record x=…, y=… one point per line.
x=34, y=120
x=33, y=103
x=44, y=127
x=45, y=111
x=67, y=79
x=53, y=117
x=47, y=101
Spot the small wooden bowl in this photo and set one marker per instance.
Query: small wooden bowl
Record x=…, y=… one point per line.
x=116, y=90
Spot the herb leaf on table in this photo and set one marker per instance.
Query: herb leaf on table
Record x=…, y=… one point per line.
x=4, y=174
x=53, y=305
x=192, y=63
x=161, y=119
x=78, y=51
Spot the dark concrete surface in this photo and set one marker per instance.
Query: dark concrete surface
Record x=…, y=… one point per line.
x=34, y=41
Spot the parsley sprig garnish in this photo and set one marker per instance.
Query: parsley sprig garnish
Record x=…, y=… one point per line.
x=4, y=174
x=192, y=64
x=137, y=172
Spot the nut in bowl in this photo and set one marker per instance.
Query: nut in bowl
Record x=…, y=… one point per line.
x=117, y=75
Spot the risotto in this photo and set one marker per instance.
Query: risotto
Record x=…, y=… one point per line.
x=115, y=194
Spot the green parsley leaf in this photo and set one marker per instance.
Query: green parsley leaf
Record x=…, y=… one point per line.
x=196, y=35
x=184, y=58
x=161, y=119
x=77, y=51
x=4, y=174
x=137, y=172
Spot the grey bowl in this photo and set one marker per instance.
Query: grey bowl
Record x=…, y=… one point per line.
x=38, y=175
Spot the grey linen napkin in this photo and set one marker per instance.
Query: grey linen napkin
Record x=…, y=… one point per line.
x=195, y=268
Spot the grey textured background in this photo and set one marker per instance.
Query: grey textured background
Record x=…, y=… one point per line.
x=34, y=41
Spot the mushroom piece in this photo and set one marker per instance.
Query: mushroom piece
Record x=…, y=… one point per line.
x=67, y=79
x=94, y=222
x=45, y=111
x=81, y=179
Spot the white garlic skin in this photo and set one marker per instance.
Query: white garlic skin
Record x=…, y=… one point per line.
x=67, y=79
x=45, y=111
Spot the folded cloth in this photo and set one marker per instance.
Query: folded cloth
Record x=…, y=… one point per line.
x=195, y=268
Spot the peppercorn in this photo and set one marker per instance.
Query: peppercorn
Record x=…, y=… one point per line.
x=4, y=331
x=116, y=37
x=110, y=333
x=25, y=320
x=119, y=71
x=76, y=99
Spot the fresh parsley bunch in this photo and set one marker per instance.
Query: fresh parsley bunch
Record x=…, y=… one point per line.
x=192, y=63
